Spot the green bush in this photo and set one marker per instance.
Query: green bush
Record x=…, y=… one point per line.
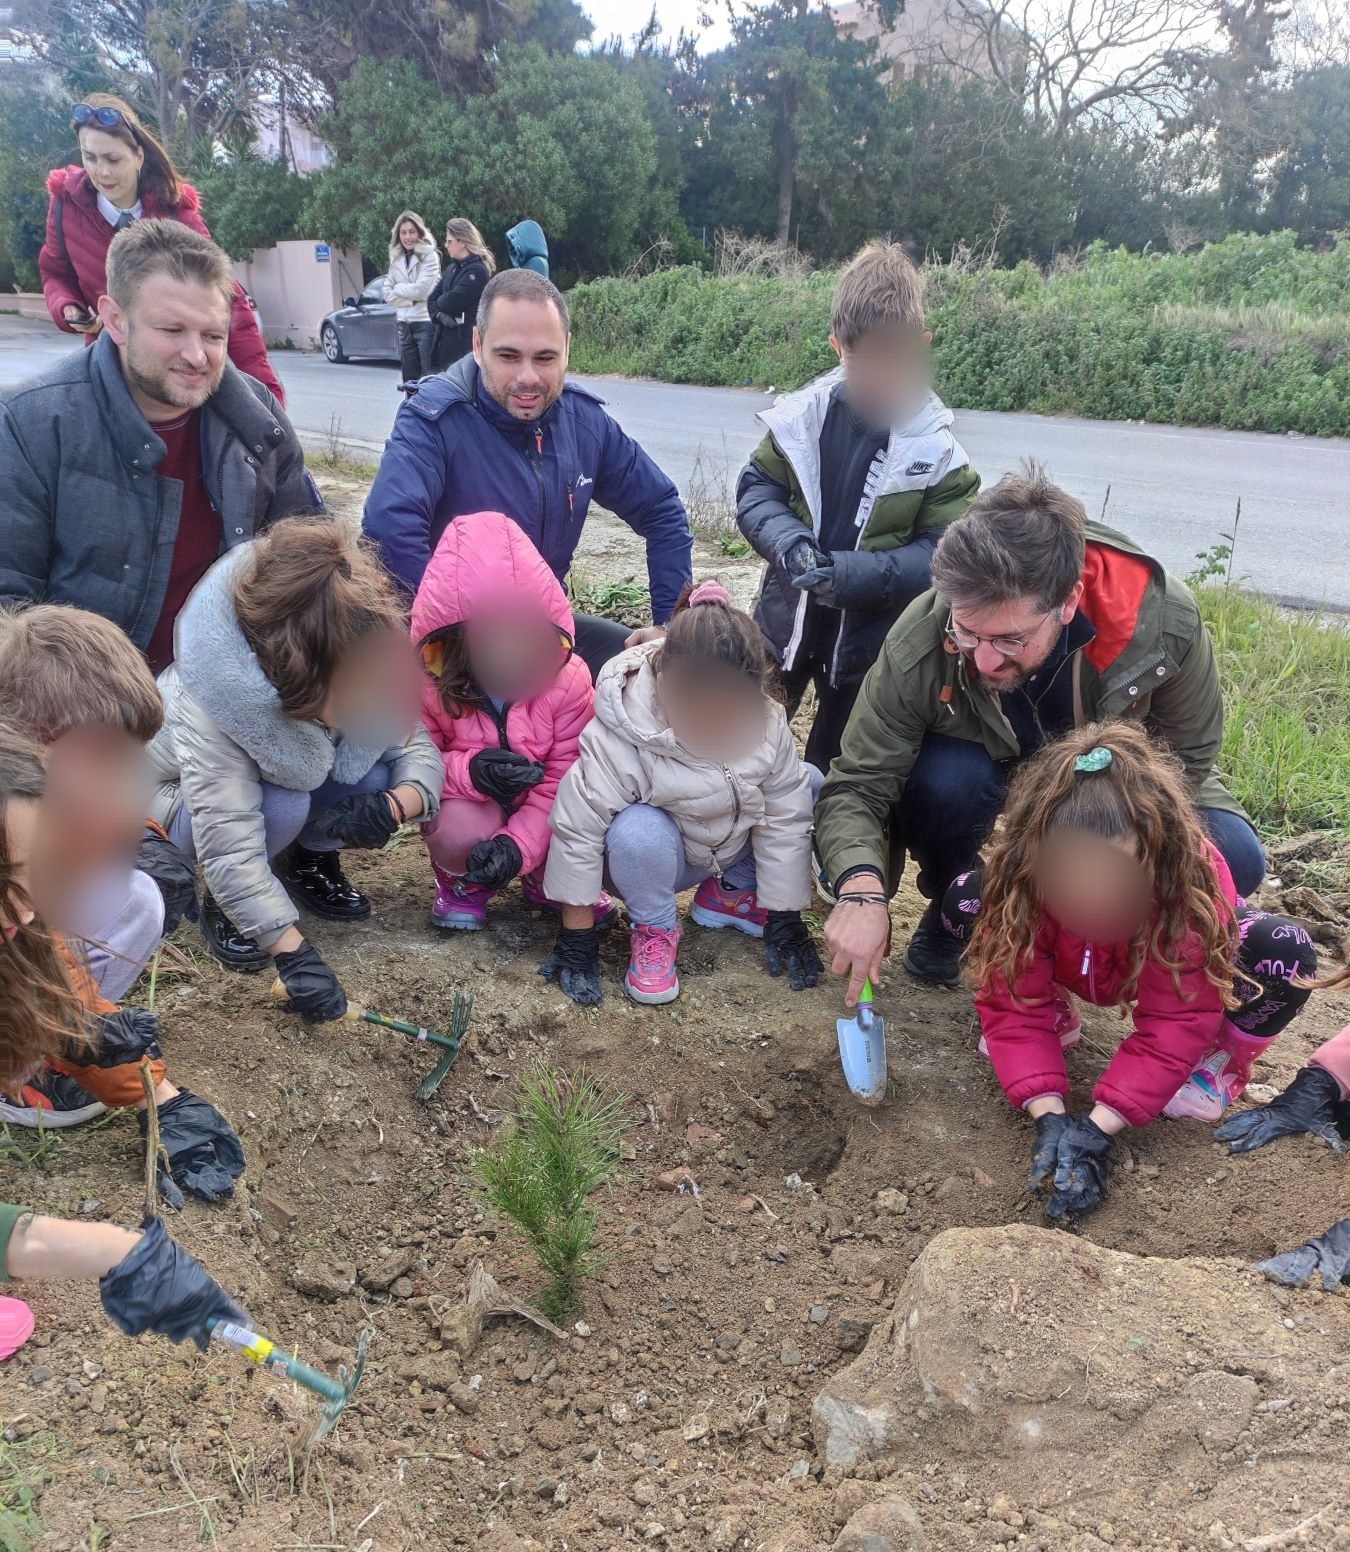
x=1252, y=333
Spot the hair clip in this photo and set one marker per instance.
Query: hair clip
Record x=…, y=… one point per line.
x=1094, y=760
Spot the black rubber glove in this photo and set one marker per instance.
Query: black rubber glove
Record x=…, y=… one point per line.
x=315, y=992
x=819, y=582
x=788, y=945
x=1328, y=1255
x=575, y=964
x=1311, y=1103
x=364, y=821
x=503, y=775
x=204, y=1154
x=1050, y=1127
x=124, y=1036
x=493, y=863
x=1083, y=1164
x=175, y=876
x=802, y=555
x=157, y=1286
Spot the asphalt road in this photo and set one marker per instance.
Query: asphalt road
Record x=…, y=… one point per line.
x=1173, y=490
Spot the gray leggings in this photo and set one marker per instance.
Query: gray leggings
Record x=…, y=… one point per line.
x=646, y=867
x=286, y=813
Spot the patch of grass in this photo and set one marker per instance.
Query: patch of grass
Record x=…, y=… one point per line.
x=23, y=1475
x=1286, y=687
x=559, y=1145
x=628, y=601
x=710, y=501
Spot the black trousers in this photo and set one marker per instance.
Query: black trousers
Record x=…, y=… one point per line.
x=415, y=343
x=598, y=640
x=833, y=709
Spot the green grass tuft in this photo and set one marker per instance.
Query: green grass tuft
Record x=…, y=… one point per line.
x=1286, y=687
x=559, y=1146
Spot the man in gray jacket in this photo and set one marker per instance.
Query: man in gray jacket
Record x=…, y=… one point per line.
x=129, y=468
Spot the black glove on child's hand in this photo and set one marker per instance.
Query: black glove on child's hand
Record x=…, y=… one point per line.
x=121, y=1037
x=157, y=1286
x=1083, y=1164
x=204, y=1154
x=503, y=775
x=493, y=863
x=1050, y=1127
x=803, y=555
x=788, y=945
x=575, y=964
x=1311, y=1103
x=364, y=821
x=315, y=992
x=819, y=582
x=1328, y=1254
x=175, y=876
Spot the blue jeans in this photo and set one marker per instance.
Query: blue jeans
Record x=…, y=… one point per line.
x=956, y=791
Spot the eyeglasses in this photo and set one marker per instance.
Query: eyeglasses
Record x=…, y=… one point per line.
x=107, y=118
x=1005, y=646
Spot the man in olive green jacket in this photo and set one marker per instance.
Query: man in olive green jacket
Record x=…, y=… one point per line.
x=1039, y=621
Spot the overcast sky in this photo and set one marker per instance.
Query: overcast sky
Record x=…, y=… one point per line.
x=626, y=16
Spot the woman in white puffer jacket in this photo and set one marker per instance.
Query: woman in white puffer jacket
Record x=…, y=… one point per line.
x=414, y=269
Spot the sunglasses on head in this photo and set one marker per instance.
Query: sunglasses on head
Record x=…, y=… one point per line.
x=107, y=118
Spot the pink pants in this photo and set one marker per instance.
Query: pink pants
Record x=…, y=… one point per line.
x=457, y=829
x=1334, y=1057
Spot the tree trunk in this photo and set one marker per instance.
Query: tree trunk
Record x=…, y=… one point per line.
x=787, y=180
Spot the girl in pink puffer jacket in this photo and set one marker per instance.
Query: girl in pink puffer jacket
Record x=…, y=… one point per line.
x=505, y=701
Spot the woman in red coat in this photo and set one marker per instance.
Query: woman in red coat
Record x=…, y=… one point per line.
x=126, y=174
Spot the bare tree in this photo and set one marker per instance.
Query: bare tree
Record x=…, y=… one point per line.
x=1076, y=61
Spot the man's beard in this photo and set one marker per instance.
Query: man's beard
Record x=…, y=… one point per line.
x=1000, y=686
x=502, y=399
x=160, y=386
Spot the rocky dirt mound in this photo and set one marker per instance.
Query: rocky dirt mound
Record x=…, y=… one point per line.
x=1056, y=1371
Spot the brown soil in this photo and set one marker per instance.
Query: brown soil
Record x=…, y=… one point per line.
x=687, y=1403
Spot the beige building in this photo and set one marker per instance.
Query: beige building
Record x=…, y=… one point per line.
x=930, y=37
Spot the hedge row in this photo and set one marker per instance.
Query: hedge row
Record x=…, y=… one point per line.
x=1252, y=333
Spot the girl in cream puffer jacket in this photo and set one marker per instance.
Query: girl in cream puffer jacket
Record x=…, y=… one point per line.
x=688, y=776
x=414, y=269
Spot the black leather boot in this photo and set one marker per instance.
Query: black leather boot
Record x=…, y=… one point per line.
x=229, y=946
x=933, y=954
x=316, y=880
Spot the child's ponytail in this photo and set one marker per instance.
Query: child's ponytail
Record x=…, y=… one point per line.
x=707, y=629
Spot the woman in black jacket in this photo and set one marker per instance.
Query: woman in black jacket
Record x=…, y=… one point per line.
x=453, y=305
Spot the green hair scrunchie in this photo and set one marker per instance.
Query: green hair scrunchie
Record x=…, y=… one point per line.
x=1094, y=760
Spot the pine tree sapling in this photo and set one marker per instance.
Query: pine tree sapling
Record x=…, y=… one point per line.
x=557, y=1148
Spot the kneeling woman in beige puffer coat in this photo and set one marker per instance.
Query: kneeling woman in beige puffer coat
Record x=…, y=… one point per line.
x=291, y=730
x=687, y=776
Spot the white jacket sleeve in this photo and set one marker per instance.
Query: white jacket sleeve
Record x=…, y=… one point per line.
x=405, y=288
x=782, y=842
x=594, y=790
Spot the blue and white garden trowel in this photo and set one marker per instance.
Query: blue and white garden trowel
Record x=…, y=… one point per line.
x=862, y=1049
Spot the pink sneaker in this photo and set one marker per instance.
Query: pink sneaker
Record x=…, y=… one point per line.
x=606, y=907
x=460, y=906
x=1068, y=1026
x=1218, y=1080
x=16, y=1326
x=716, y=907
x=651, y=977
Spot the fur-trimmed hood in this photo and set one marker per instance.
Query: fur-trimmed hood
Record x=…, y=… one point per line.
x=216, y=666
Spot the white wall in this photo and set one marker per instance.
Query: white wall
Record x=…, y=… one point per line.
x=293, y=287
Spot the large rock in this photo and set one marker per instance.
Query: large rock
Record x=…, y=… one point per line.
x=1037, y=1360
x=890, y=1525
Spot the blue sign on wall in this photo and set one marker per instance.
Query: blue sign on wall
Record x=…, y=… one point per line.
x=323, y=253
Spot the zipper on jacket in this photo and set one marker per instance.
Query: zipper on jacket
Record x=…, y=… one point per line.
x=537, y=465
x=735, y=820
x=1089, y=969
x=859, y=528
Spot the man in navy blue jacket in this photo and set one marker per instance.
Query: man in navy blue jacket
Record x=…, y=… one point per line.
x=504, y=431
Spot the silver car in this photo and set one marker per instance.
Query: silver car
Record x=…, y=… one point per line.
x=364, y=325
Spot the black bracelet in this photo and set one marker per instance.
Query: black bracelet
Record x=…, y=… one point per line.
x=857, y=897
x=398, y=806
